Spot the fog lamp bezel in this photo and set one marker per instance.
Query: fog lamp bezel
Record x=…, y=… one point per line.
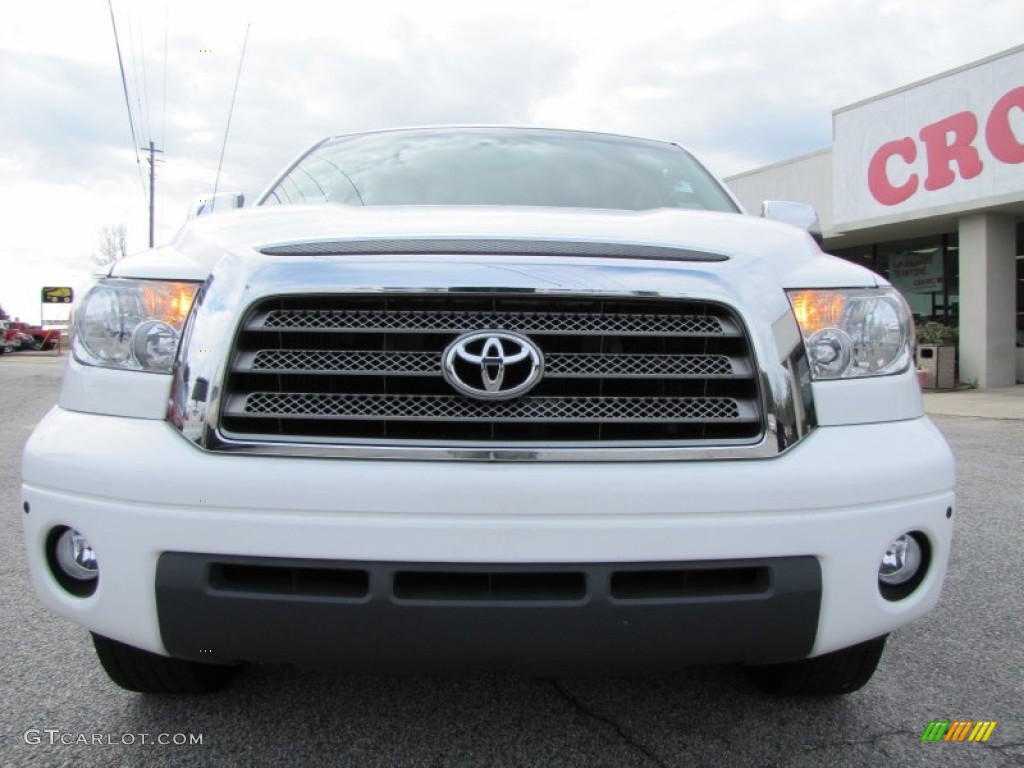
x=896, y=592
x=72, y=585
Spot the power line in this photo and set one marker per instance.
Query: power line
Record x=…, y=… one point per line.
x=231, y=109
x=142, y=113
x=145, y=85
x=163, y=119
x=127, y=101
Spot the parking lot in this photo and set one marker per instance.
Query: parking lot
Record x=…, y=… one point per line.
x=963, y=662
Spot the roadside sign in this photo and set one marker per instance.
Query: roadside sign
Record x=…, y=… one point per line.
x=62, y=295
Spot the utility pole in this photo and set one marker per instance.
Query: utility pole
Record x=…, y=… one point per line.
x=152, y=187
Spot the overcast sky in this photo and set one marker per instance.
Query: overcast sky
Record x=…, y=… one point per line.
x=743, y=83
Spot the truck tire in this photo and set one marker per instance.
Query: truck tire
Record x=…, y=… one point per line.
x=143, y=672
x=832, y=674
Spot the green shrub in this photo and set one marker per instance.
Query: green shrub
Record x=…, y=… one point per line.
x=936, y=333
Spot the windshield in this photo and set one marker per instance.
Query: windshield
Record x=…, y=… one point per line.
x=561, y=169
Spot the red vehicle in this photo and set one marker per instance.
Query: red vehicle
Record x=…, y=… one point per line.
x=41, y=337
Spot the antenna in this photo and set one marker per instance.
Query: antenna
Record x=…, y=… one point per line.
x=216, y=183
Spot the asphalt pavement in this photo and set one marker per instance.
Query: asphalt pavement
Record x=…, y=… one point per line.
x=962, y=662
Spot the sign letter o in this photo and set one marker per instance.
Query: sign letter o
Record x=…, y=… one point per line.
x=1002, y=142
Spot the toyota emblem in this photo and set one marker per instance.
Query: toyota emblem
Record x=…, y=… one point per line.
x=492, y=365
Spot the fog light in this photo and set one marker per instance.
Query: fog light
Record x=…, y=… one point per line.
x=901, y=561
x=75, y=556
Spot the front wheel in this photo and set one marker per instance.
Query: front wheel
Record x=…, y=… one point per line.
x=832, y=674
x=137, y=670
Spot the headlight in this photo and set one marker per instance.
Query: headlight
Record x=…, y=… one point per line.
x=131, y=324
x=855, y=332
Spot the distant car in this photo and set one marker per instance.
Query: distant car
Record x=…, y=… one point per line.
x=25, y=341
x=491, y=398
x=37, y=337
x=8, y=340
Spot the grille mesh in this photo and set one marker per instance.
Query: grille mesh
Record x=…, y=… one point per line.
x=533, y=322
x=325, y=360
x=411, y=363
x=357, y=368
x=451, y=408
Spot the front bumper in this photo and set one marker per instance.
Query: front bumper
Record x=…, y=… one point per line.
x=140, y=492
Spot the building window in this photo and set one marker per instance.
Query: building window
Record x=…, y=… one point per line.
x=951, y=283
x=1020, y=284
x=918, y=269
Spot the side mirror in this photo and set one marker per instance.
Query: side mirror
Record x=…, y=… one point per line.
x=228, y=201
x=798, y=214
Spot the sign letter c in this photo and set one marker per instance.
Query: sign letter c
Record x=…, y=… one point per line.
x=882, y=189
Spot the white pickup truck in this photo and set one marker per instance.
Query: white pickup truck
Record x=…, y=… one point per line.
x=490, y=398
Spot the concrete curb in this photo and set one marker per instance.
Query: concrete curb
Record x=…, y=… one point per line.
x=1001, y=403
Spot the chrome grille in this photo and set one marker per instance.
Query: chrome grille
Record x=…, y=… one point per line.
x=367, y=368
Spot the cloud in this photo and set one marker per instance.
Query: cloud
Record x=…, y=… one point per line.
x=743, y=83
x=328, y=92
x=61, y=122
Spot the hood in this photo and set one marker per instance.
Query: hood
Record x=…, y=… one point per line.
x=786, y=251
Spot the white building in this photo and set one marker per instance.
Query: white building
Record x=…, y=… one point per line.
x=925, y=185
